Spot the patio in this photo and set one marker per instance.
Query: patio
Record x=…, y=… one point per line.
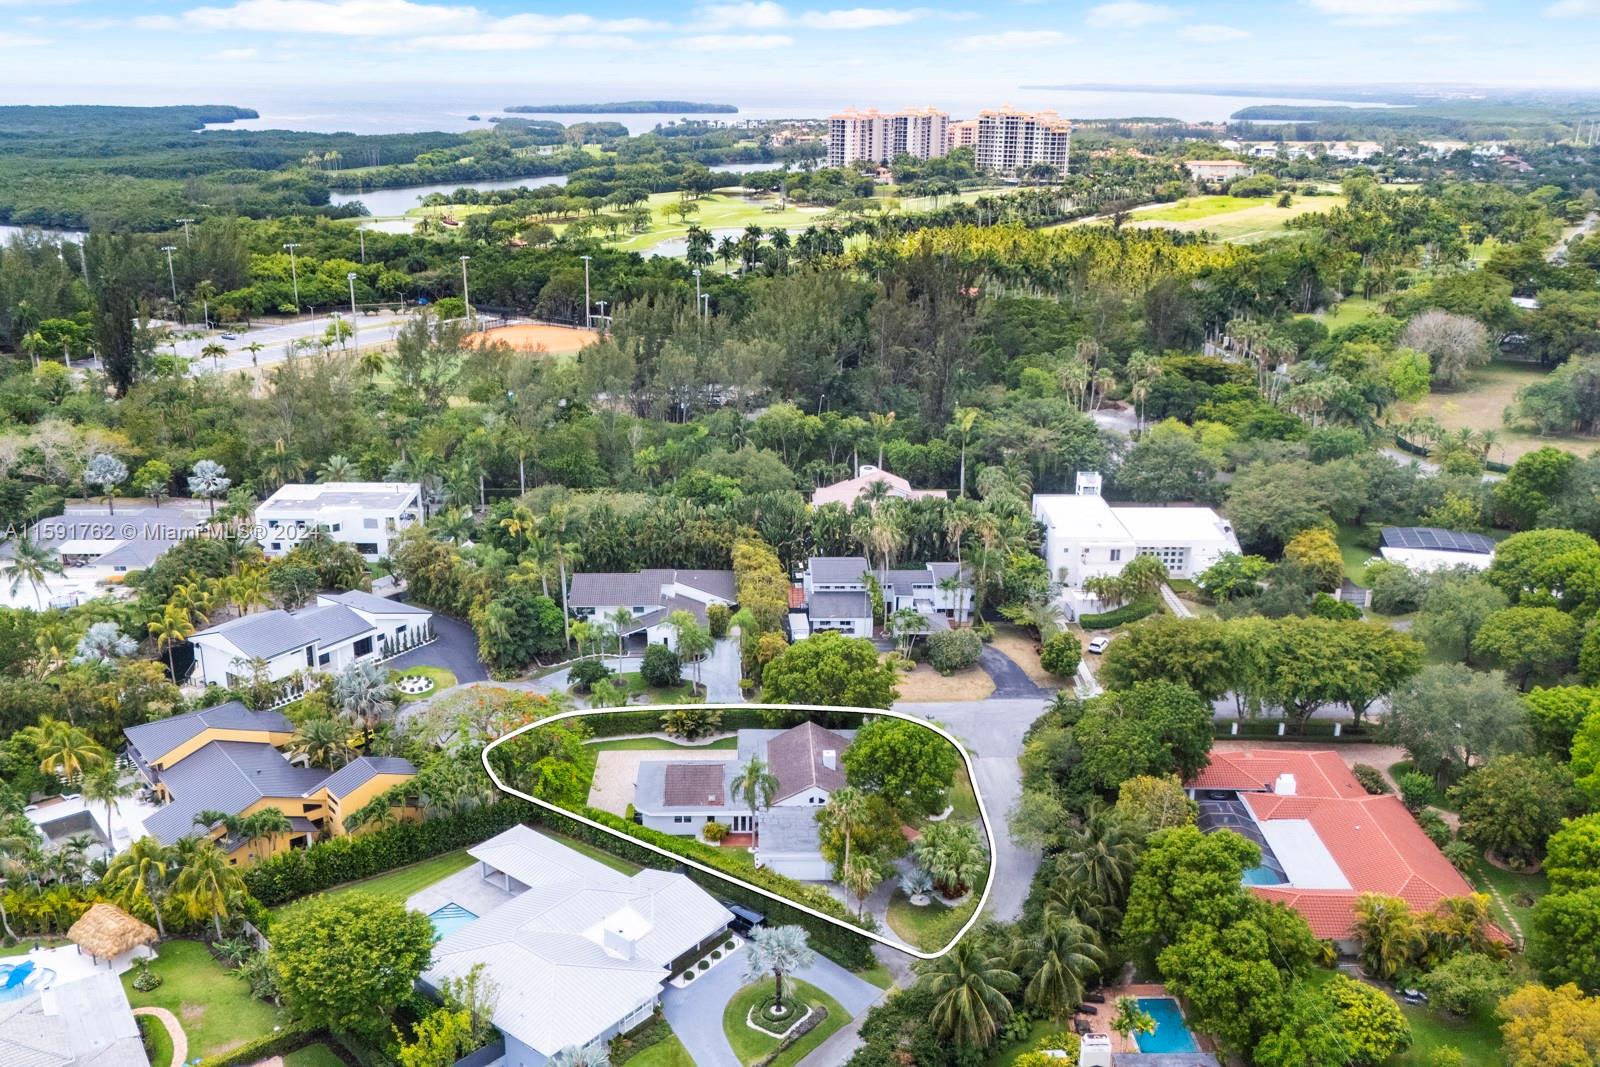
x=467, y=889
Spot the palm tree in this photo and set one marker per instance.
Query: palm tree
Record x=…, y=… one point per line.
x=1067, y=953
x=267, y=823
x=1100, y=855
x=208, y=481
x=969, y=988
x=249, y=589
x=63, y=749
x=31, y=563
x=1130, y=1019
x=756, y=785
x=954, y=854
x=105, y=785
x=778, y=951
x=322, y=743
x=215, y=350
x=338, y=469
x=844, y=814
x=1389, y=931
x=965, y=419
x=169, y=629
x=141, y=876
x=860, y=876
x=255, y=348
x=619, y=621
x=363, y=691
x=206, y=882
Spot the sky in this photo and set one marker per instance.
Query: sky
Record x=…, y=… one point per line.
x=765, y=52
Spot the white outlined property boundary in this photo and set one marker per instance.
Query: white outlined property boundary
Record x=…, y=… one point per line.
x=677, y=857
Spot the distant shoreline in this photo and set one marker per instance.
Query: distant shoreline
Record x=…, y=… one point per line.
x=625, y=107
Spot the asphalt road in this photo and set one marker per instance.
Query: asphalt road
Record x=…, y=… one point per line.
x=371, y=330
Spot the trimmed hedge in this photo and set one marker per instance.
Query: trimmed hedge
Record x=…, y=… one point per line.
x=1131, y=612
x=839, y=945
x=1267, y=730
x=274, y=1044
x=613, y=723
x=288, y=875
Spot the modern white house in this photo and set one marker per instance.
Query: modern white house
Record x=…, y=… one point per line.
x=846, y=492
x=680, y=796
x=1429, y=548
x=577, y=951
x=338, y=629
x=367, y=516
x=1217, y=171
x=835, y=596
x=649, y=597
x=97, y=549
x=1086, y=537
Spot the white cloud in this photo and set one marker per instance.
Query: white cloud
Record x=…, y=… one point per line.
x=22, y=40
x=237, y=53
x=1213, y=34
x=346, y=18
x=767, y=15
x=498, y=40
x=736, y=42
x=749, y=16
x=1573, y=9
x=1128, y=15
x=1384, y=12
x=858, y=18
x=1015, y=39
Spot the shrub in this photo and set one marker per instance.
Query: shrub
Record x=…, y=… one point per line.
x=1467, y=983
x=691, y=722
x=146, y=979
x=1460, y=854
x=1416, y=790
x=1447, y=1056
x=1371, y=779
x=717, y=616
x=1061, y=654
x=714, y=831
x=587, y=672
x=661, y=667
x=953, y=650
x=1434, y=826
x=1131, y=612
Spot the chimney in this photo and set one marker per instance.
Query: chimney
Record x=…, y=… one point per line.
x=1089, y=483
x=621, y=932
x=830, y=759
x=1284, y=786
x=866, y=469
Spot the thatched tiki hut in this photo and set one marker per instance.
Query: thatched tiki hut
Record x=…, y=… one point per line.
x=106, y=932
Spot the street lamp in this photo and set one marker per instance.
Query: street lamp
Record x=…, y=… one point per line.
x=294, y=275
x=696, y=273
x=185, y=224
x=355, y=330
x=603, y=319
x=588, y=319
x=705, y=306
x=172, y=274
x=466, y=295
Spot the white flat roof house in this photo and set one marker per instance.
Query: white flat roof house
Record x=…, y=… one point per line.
x=1085, y=537
x=1429, y=548
x=579, y=952
x=364, y=515
x=338, y=629
x=97, y=549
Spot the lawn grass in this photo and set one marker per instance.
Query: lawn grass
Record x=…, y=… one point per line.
x=1009, y=1054
x=927, y=927
x=213, y=1005
x=1481, y=405
x=1355, y=555
x=668, y=1053
x=652, y=744
x=1348, y=312
x=616, y=863
x=878, y=975
x=633, y=683
x=1234, y=219
x=1198, y=207
x=442, y=679
x=751, y=1045
x=157, y=1042
x=963, y=801
x=1511, y=885
x=25, y=946
x=404, y=881
x=1478, y=1038
x=318, y=1055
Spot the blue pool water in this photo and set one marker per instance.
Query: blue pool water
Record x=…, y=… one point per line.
x=1262, y=875
x=30, y=982
x=449, y=918
x=1170, y=1034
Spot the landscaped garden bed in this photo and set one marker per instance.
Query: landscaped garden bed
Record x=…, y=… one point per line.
x=753, y=1044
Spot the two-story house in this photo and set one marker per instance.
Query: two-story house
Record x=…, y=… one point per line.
x=648, y=598
x=367, y=516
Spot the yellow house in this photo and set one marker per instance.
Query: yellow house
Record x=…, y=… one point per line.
x=226, y=759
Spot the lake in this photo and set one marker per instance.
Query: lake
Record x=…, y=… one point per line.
x=8, y=232
x=385, y=203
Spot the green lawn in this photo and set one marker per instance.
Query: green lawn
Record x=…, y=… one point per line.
x=751, y=1045
x=214, y=1006
x=442, y=680
x=1513, y=888
x=878, y=975
x=635, y=744
x=318, y=1055
x=401, y=883
x=1198, y=207
x=668, y=1053
x=616, y=863
x=1477, y=1038
x=962, y=799
x=25, y=946
x=1355, y=556
x=918, y=927
x=1008, y=1054
x=157, y=1042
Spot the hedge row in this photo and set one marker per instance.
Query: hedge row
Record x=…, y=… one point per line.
x=648, y=722
x=845, y=948
x=273, y=1044
x=293, y=874
x=1131, y=612
x=1267, y=730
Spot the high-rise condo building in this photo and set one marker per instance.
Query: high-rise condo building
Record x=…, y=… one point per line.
x=878, y=138
x=1011, y=141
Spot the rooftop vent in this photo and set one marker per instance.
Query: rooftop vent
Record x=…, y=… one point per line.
x=1284, y=786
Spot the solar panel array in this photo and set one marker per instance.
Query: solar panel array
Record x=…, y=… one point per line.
x=1431, y=537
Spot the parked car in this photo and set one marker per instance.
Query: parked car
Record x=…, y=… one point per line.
x=230, y=337
x=744, y=919
x=1413, y=996
x=1098, y=645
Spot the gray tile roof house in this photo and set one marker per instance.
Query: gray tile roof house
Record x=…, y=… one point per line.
x=132, y=539
x=361, y=600
x=651, y=595
x=270, y=633
x=848, y=605
x=155, y=739
x=838, y=570
x=82, y=1023
x=804, y=757
x=358, y=772
x=790, y=831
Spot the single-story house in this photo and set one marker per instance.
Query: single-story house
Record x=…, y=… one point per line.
x=338, y=629
x=846, y=492
x=1429, y=548
x=1324, y=839
x=228, y=759
x=649, y=597
x=81, y=1022
x=680, y=797
x=98, y=549
x=578, y=951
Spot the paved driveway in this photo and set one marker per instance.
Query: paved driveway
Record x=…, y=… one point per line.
x=695, y=1011
x=1011, y=682
x=456, y=650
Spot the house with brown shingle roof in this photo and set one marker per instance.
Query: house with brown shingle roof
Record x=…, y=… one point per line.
x=681, y=796
x=1324, y=840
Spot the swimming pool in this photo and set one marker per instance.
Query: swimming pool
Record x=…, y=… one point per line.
x=1171, y=1035
x=1263, y=875
x=31, y=980
x=449, y=918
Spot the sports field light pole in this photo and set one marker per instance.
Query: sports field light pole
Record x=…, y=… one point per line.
x=355, y=330
x=604, y=322
x=185, y=224
x=588, y=318
x=172, y=274
x=466, y=295
x=294, y=275
x=696, y=273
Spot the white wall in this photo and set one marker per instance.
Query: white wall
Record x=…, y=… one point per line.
x=852, y=627
x=216, y=657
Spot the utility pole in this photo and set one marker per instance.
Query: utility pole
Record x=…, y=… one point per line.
x=588, y=319
x=466, y=294
x=185, y=224
x=294, y=274
x=355, y=330
x=171, y=273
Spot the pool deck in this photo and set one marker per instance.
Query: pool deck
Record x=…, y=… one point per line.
x=1126, y=1050
x=466, y=888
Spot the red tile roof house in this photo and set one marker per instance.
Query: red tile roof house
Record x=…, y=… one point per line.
x=1324, y=840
